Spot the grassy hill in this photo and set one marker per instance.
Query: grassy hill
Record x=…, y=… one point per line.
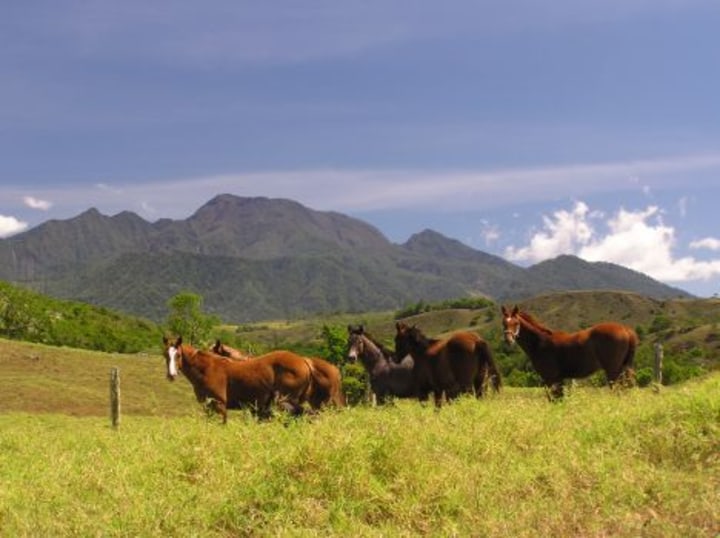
x=633, y=463
x=688, y=329
x=31, y=316
x=37, y=378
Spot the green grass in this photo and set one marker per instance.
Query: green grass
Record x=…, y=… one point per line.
x=634, y=463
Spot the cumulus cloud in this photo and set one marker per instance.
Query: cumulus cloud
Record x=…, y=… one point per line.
x=36, y=203
x=10, y=226
x=709, y=243
x=562, y=233
x=639, y=240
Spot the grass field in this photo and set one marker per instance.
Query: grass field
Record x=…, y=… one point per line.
x=634, y=463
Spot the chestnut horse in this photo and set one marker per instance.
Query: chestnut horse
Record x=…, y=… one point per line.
x=327, y=380
x=558, y=355
x=225, y=350
x=387, y=377
x=461, y=363
x=230, y=384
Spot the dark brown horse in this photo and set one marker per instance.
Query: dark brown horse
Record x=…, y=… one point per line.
x=461, y=363
x=327, y=380
x=230, y=384
x=558, y=355
x=387, y=377
x=225, y=350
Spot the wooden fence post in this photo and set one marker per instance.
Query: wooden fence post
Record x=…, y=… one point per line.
x=657, y=371
x=115, y=396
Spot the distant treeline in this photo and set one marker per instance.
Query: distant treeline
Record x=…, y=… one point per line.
x=467, y=303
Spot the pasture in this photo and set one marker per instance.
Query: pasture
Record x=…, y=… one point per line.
x=632, y=463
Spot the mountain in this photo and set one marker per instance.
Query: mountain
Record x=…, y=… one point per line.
x=260, y=258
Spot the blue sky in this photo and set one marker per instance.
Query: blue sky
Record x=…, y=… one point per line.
x=523, y=128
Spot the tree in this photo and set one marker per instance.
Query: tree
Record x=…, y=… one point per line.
x=334, y=349
x=187, y=319
x=334, y=344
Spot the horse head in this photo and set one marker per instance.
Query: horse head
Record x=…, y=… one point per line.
x=511, y=324
x=218, y=348
x=355, y=343
x=173, y=357
x=407, y=339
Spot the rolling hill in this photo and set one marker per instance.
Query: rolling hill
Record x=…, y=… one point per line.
x=260, y=258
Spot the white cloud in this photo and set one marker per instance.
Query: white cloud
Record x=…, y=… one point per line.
x=10, y=226
x=709, y=243
x=385, y=189
x=36, y=203
x=561, y=235
x=639, y=240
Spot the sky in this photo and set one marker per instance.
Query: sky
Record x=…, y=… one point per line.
x=523, y=128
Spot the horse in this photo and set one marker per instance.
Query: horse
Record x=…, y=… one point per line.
x=461, y=363
x=387, y=377
x=225, y=350
x=557, y=355
x=230, y=384
x=327, y=380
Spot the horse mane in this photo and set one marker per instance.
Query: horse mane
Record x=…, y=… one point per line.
x=530, y=319
x=360, y=331
x=420, y=337
x=385, y=351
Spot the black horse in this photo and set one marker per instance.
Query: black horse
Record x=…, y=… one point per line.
x=387, y=377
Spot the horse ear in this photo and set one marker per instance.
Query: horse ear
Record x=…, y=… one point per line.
x=165, y=340
x=361, y=328
x=515, y=310
x=504, y=310
x=178, y=342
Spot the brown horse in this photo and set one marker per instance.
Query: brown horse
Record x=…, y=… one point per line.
x=327, y=380
x=461, y=363
x=230, y=384
x=558, y=355
x=327, y=384
x=225, y=350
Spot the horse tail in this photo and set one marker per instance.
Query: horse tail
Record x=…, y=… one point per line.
x=310, y=388
x=485, y=358
x=629, y=359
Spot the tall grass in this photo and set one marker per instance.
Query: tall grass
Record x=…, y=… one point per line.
x=635, y=463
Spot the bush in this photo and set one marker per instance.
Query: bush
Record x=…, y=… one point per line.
x=644, y=376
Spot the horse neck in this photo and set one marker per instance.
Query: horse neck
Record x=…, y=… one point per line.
x=530, y=336
x=191, y=356
x=373, y=356
x=419, y=345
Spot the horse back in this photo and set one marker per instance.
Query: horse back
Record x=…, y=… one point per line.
x=280, y=372
x=456, y=359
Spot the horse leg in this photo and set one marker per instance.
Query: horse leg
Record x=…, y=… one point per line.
x=438, y=396
x=219, y=407
x=554, y=391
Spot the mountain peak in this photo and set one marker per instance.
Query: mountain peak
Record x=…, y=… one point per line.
x=436, y=244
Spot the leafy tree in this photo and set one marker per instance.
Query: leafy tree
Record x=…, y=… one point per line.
x=334, y=344
x=187, y=318
x=334, y=349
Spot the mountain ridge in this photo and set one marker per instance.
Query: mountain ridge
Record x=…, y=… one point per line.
x=261, y=258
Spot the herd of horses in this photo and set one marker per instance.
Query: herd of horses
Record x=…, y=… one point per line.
x=224, y=378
